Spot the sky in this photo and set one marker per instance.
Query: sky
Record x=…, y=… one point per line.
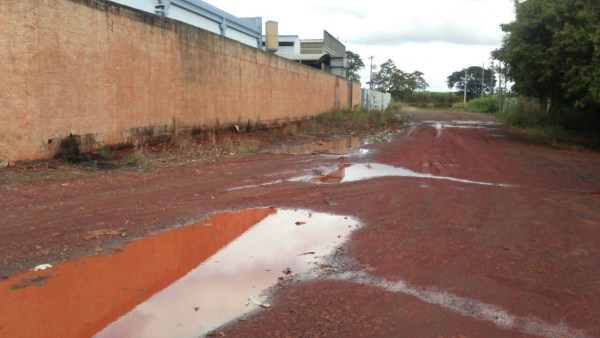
x=436, y=37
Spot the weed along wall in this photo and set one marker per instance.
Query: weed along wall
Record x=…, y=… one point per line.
x=106, y=74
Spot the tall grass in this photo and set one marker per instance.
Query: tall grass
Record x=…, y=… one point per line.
x=487, y=104
x=356, y=120
x=543, y=127
x=432, y=100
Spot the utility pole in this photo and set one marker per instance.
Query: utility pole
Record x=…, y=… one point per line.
x=500, y=86
x=482, y=76
x=492, y=77
x=371, y=74
x=465, y=83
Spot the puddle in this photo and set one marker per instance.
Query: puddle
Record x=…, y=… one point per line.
x=181, y=283
x=364, y=171
x=341, y=146
x=440, y=125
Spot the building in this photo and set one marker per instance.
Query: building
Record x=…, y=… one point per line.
x=288, y=45
x=327, y=54
x=203, y=15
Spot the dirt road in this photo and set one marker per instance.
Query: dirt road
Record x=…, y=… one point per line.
x=480, y=234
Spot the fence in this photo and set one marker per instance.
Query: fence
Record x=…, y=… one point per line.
x=372, y=99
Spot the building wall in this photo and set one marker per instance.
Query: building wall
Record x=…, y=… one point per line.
x=107, y=73
x=186, y=16
x=144, y=5
x=332, y=45
x=311, y=47
x=203, y=15
x=373, y=99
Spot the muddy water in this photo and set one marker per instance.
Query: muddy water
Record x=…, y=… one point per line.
x=339, y=146
x=181, y=283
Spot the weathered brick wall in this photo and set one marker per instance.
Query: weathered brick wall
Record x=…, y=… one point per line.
x=105, y=72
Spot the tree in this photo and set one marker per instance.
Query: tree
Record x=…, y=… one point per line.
x=355, y=64
x=456, y=81
x=400, y=84
x=552, y=50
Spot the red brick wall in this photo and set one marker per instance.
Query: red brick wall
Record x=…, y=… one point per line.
x=100, y=70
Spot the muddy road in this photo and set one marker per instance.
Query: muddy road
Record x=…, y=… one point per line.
x=458, y=227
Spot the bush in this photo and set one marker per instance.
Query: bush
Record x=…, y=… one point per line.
x=432, y=99
x=525, y=112
x=488, y=104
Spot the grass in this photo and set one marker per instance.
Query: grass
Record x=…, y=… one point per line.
x=184, y=146
x=529, y=116
x=350, y=120
x=92, y=165
x=432, y=100
x=487, y=104
x=104, y=152
x=136, y=157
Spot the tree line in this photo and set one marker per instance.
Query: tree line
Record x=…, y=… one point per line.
x=389, y=78
x=550, y=52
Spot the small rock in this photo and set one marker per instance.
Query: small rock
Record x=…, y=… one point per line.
x=11, y=164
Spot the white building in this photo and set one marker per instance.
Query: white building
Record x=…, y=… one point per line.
x=203, y=15
x=288, y=44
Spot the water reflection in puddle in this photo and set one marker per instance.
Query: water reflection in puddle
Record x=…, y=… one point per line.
x=341, y=146
x=206, y=273
x=441, y=125
x=364, y=171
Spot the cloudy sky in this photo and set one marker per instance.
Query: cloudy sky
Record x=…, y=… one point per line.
x=436, y=37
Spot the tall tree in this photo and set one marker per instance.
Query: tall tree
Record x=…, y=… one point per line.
x=355, y=64
x=553, y=52
x=390, y=79
x=475, y=88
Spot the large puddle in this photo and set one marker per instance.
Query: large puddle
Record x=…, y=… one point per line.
x=364, y=171
x=340, y=146
x=181, y=283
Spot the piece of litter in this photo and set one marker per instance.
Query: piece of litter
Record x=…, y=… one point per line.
x=251, y=300
x=300, y=222
x=333, y=204
x=42, y=267
x=307, y=253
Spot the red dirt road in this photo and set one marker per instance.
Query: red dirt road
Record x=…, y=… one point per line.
x=435, y=258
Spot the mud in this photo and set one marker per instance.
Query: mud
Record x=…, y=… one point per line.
x=435, y=257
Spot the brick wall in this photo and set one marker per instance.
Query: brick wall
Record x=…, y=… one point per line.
x=105, y=73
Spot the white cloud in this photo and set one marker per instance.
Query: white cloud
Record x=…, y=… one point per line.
x=436, y=37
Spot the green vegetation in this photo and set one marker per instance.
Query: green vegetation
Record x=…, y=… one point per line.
x=552, y=53
x=133, y=158
x=432, y=100
x=92, y=165
x=473, y=80
x=357, y=120
x=355, y=64
x=395, y=105
x=530, y=116
x=390, y=79
x=487, y=104
x=104, y=152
